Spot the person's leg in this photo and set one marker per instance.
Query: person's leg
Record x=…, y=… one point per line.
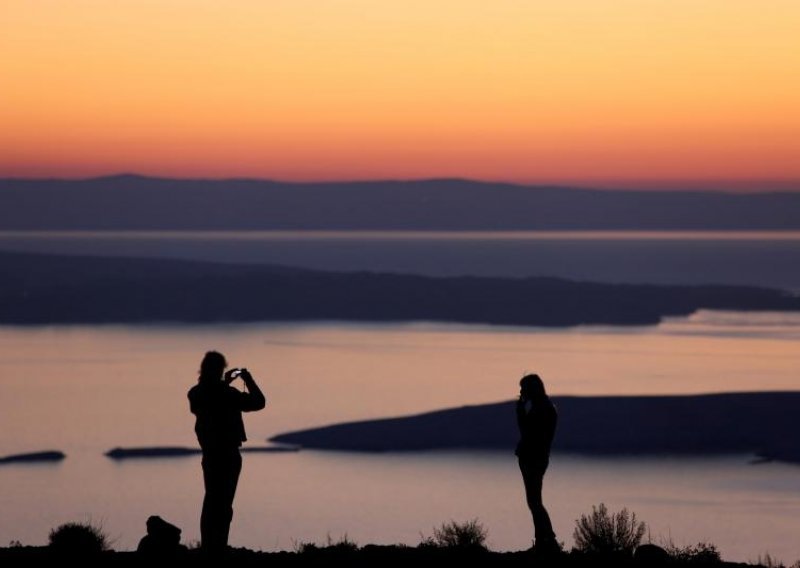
x=209, y=518
x=221, y=475
x=532, y=476
x=233, y=469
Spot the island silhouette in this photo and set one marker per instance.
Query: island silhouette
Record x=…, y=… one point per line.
x=756, y=423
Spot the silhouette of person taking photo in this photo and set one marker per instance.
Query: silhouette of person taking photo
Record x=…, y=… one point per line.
x=219, y=426
x=536, y=418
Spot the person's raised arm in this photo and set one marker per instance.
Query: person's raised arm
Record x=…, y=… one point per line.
x=253, y=399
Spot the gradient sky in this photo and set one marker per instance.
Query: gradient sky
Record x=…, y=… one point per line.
x=524, y=90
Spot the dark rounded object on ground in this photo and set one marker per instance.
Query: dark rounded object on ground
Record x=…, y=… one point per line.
x=162, y=538
x=651, y=554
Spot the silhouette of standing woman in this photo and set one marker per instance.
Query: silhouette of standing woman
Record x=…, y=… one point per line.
x=220, y=431
x=536, y=418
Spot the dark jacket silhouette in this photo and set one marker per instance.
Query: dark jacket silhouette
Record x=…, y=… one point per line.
x=220, y=430
x=219, y=408
x=536, y=419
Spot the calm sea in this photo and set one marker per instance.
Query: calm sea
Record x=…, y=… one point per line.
x=86, y=389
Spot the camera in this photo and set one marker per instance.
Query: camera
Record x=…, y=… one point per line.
x=233, y=374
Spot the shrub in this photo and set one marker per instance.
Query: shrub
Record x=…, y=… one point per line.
x=604, y=532
x=767, y=561
x=470, y=534
x=302, y=547
x=344, y=544
x=81, y=539
x=702, y=553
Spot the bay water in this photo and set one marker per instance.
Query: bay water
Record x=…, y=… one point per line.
x=87, y=389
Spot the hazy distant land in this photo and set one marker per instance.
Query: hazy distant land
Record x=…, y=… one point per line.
x=760, y=423
x=131, y=202
x=181, y=451
x=47, y=289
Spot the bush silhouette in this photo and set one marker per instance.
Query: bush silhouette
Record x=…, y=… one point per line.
x=604, y=532
x=344, y=544
x=768, y=561
x=702, y=553
x=78, y=539
x=470, y=534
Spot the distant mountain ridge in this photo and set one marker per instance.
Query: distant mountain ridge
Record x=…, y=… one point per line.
x=133, y=202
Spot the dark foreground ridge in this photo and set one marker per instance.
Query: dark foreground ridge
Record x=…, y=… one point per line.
x=34, y=457
x=45, y=289
x=352, y=556
x=734, y=423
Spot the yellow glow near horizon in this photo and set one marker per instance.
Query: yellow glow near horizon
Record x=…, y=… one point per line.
x=310, y=89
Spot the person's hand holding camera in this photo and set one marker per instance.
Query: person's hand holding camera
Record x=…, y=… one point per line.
x=233, y=374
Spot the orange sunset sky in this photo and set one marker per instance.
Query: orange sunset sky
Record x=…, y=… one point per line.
x=587, y=91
